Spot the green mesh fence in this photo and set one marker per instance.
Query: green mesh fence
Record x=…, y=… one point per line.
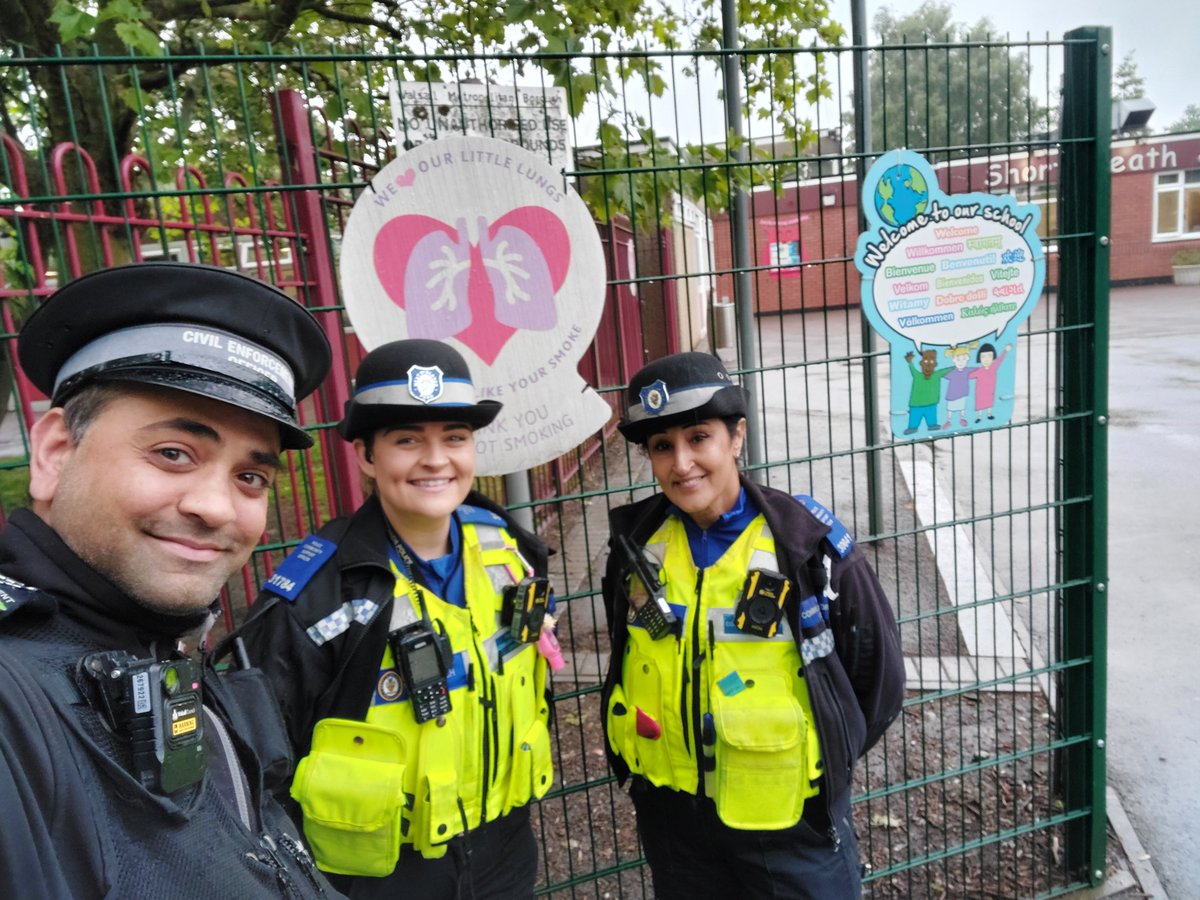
x=734, y=239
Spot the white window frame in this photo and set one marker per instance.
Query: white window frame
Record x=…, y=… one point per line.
x=1180, y=188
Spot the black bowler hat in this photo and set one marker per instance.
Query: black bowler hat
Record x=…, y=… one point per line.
x=680, y=389
x=199, y=329
x=412, y=381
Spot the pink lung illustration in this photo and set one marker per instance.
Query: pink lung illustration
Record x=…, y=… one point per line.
x=481, y=293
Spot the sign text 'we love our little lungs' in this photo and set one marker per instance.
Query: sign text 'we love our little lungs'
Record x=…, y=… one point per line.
x=480, y=243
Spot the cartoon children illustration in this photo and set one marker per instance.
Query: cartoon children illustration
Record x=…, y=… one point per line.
x=926, y=391
x=958, y=384
x=985, y=379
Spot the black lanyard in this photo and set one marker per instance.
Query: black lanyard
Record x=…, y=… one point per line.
x=408, y=568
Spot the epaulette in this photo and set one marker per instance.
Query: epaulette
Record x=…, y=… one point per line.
x=13, y=595
x=300, y=566
x=477, y=515
x=838, y=538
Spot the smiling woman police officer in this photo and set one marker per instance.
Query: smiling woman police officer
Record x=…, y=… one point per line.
x=125, y=769
x=754, y=657
x=401, y=644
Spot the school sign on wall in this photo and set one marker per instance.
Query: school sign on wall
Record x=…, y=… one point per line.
x=479, y=243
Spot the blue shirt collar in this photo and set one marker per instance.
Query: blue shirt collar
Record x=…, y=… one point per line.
x=709, y=544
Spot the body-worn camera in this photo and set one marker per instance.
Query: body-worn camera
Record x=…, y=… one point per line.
x=157, y=705
x=760, y=607
x=524, y=608
x=648, y=605
x=423, y=657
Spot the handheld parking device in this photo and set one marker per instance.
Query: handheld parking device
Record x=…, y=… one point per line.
x=157, y=706
x=524, y=608
x=760, y=607
x=423, y=657
x=648, y=607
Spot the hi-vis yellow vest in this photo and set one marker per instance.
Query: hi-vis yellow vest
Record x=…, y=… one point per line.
x=368, y=787
x=742, y=714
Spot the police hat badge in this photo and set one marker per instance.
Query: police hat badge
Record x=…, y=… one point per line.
x=425, y=383
x=410, y=381
x=655, y=397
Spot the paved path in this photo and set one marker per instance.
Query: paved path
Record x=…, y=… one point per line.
x=1154, y=572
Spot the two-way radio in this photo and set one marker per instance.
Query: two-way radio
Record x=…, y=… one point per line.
x=648, y=604
x=424, y=657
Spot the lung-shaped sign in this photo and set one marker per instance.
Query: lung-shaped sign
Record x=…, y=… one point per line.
x=479, y=243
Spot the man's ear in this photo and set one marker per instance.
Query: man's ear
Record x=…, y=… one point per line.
x=50, y=447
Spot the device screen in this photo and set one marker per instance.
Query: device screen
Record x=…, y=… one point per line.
x=423, y=663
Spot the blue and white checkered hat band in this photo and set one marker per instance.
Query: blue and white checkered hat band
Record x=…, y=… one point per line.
x=678, y=401
x=455, y=392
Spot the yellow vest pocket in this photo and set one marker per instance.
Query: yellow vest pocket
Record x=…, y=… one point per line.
x=761, y=775
x=650, y=722
x=532, y=769
x=351, y=788
x=443, y=819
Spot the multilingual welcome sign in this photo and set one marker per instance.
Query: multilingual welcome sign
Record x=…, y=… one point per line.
x=946, y=281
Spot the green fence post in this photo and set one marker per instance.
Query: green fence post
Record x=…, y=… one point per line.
x=1084, y=212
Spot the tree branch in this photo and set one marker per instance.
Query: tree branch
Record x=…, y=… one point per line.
x=328, y=11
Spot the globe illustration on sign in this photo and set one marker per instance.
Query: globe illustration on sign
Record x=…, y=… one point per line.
x=901, y=195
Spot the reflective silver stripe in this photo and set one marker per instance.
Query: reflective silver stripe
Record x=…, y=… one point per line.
x=404, y=612
x=455, y=392
x=501, y=576
x=491, y=537
x=764, y=559
x=720, y=621
x=360, y=610
x=678, y=401
x=192, y=345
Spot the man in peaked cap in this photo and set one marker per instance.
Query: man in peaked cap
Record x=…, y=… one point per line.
x=339, y=630
x=126, y=768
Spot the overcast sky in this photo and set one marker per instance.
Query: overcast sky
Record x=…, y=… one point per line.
x=1164, y=35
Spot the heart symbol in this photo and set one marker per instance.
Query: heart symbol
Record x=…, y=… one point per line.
x=407, y=178
x=480, y=293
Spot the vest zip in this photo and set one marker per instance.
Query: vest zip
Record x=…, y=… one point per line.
x=271, y=859
x=488, y=703
x=697, y=660
x=299, y=852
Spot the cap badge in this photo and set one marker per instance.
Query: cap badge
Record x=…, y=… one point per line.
x=425, y=383
x=655, y=397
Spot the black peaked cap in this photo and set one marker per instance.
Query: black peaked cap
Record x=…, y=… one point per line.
x=258, y=333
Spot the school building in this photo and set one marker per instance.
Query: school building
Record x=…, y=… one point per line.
x=803, y=239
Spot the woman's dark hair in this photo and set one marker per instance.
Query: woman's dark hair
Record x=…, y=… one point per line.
x=984, y=348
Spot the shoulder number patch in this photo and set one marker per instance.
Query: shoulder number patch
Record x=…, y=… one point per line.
x=839, y=537
x=300, y=566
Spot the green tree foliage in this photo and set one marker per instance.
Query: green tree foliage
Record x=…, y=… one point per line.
x=179, y=96
x=936, y=83
x=1128, y=84
x=1189, y=121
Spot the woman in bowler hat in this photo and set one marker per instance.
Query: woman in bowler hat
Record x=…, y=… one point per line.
x=754, y=657
x=406, y=646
